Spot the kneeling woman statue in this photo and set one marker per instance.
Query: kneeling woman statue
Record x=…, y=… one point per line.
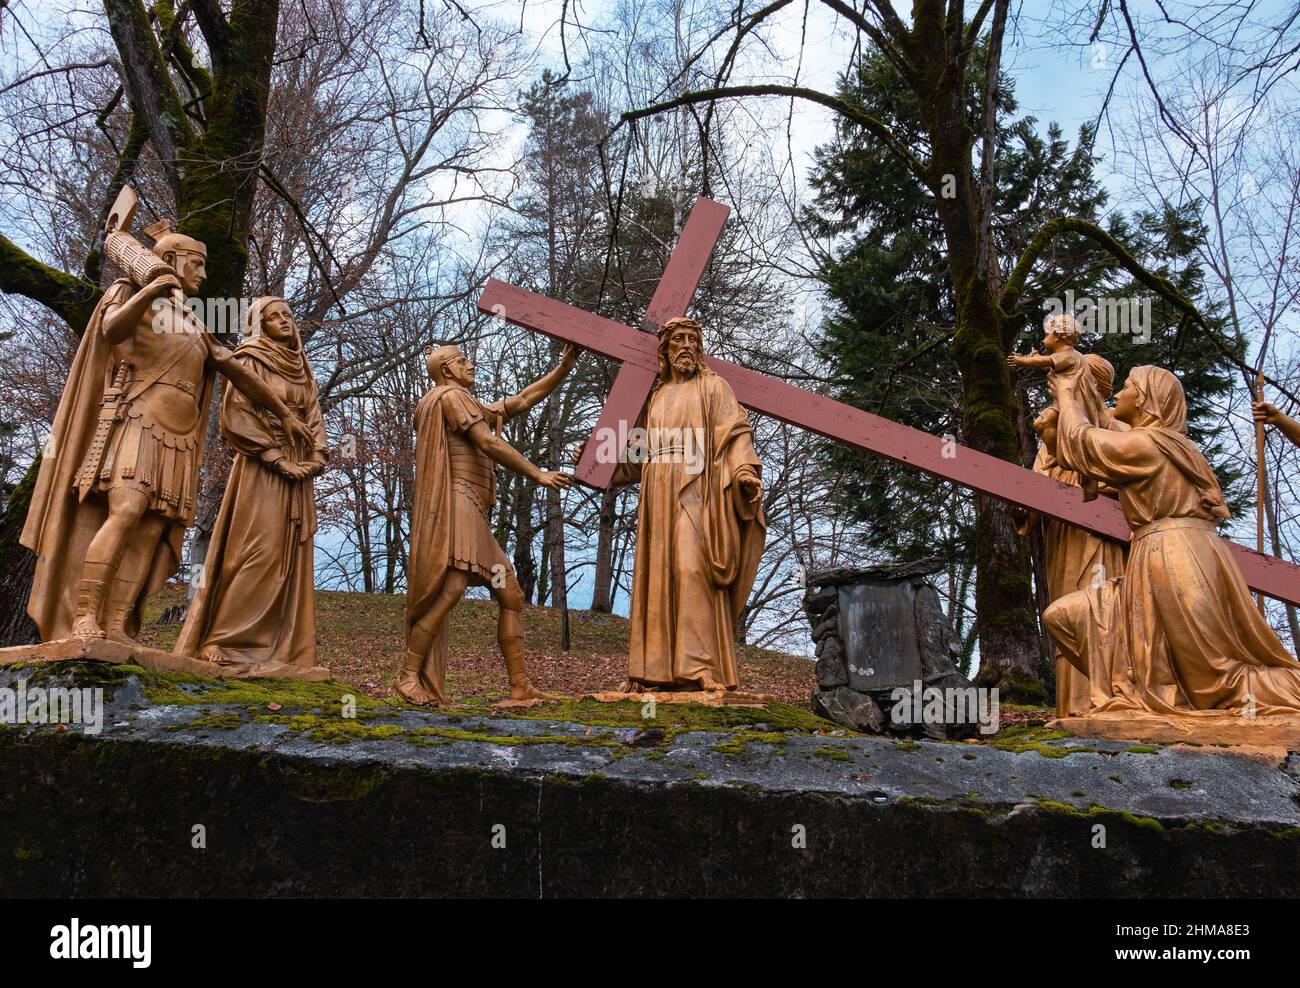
x=1180, y=633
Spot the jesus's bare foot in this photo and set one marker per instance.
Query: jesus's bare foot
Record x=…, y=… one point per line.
x=86, y=626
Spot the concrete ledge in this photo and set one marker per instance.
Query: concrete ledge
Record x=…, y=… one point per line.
x=414, y=809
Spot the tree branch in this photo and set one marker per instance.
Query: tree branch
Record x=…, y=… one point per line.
x=70, y=297
x=62, y=68
x=148, y=84
x=1161, y=286
x=846, y=110
x=214, y=27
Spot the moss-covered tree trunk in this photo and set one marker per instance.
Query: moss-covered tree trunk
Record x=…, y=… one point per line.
x=1011, y=656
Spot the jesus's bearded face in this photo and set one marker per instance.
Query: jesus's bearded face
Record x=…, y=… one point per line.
x=685, y=352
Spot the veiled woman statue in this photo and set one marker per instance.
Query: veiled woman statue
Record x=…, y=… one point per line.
x=256, y=602
x=1188, y=639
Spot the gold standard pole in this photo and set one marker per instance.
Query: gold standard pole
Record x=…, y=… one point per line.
x=1261, y=482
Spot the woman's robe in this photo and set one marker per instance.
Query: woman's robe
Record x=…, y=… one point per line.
x=256, y=602
x=1076, y=560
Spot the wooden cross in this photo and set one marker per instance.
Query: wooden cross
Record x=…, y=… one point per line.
x=637, y=350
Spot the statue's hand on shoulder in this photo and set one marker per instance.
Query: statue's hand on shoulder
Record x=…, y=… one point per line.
x=164, y=284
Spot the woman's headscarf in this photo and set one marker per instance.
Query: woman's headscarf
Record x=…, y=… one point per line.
x=1160, y=396
x=286, y=361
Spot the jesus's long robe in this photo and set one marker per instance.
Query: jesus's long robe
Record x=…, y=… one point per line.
x=698, y=539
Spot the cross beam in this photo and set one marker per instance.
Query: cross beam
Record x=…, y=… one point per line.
x=638, y=353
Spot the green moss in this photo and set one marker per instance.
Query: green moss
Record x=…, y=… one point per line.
x=834, y=754
x=1141, y=749
x=1021, y=738
x=346, y=783
x=738, y=739
x=907, y=746
x=1114, y=778
x=674, y=717
x=1143, y=822
x=176, y=690
x=1180, y=784
x=225, y=721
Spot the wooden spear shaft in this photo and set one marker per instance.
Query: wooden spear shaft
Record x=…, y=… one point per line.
x=1261, y=480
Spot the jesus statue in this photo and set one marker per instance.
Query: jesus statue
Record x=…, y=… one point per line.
x=700, y=524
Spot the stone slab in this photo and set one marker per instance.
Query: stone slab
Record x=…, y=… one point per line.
x=584, y=810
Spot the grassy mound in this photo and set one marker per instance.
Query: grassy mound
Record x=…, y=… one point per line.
x=361, y=638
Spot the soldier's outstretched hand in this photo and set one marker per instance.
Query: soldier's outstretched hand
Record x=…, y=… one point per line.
x=555, y=479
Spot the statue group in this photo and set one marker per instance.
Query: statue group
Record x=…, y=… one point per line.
x=1165, y=626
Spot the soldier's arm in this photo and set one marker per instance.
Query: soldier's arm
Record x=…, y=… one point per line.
x=121, y=320
x=502, y=452
x=542, y=387
x=1272, y=415
x=256, y=390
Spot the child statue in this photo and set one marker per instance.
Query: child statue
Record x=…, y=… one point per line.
x=1061, y=358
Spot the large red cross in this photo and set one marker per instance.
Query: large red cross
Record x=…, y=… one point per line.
x=637, y=350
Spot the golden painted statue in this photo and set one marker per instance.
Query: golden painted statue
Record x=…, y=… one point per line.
x=256, y=602
x=117, y=484
x=1180, y=635
x=700, y=523
x=1076, y=559
x=1060, y=358
x=458, y=441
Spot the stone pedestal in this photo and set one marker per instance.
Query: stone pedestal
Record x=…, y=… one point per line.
x=878, y=628
x=107, y=650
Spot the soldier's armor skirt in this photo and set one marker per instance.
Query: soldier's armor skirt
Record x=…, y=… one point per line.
x=473, y=491
x=142, y=454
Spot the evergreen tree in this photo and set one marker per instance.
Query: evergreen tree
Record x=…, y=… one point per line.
x=892, y=316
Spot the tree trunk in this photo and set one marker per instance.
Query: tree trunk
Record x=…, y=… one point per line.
x=1011, y=654
x=555, y=527
x=17, y=565
x=525, y=568
x=602, y=594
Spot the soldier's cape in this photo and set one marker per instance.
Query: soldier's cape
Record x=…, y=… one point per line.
x=60, y=525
